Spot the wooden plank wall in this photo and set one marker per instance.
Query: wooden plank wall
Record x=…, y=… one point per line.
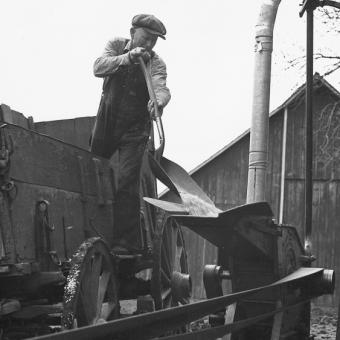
x=75, y=131
x=77, y=185
x=14, y=117
x=326, y=176
x=225, y=179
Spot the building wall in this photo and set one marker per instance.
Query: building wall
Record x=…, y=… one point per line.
x=326, y=176
x=224, y=179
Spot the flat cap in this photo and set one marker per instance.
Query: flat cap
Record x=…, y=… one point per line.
x=150, y=23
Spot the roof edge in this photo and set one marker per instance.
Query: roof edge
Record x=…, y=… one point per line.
x=298, y=92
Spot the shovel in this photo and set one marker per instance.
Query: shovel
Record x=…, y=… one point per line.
x=194, y=207
x=158, y=152
x=193, y=198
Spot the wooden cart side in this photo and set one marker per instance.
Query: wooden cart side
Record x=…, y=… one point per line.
x=77, y=186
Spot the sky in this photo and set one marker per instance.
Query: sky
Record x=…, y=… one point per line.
x=48, y=49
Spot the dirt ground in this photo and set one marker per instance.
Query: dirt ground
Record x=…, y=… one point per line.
x=324, y=322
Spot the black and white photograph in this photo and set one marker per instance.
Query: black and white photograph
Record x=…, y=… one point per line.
x=169, y=170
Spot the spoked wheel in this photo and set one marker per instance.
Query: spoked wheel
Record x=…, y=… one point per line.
x=170, y=281
x=91, y=292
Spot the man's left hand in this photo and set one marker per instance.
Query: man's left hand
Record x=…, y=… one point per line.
x=151, y=109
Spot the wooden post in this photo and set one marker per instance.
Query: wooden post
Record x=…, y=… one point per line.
x=277, y=323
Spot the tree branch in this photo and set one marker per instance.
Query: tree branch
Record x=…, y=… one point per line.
x=320, y=55
x=334, y=68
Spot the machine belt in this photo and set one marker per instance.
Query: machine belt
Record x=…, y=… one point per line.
x=220, y=331
x=151, y=325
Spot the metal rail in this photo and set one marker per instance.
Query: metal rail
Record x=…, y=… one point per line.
x=309, y=132
x=151, y=325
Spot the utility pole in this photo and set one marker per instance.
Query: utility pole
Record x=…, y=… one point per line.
x=309, y=6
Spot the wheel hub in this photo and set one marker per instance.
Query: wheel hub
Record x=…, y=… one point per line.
x=181, y=287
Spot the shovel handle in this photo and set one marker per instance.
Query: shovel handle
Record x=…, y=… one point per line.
x=158, y=119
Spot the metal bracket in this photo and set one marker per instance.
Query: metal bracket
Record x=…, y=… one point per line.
x=43, y=229
x=83, y=198
x=99, y=180
x=329, y=3
x=263, y=46
x=313, y=4
x=54, y=257
x=6, y=150
x=308, y=5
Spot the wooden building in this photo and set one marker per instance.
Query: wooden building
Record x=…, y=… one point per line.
x=224, y=178
x=224, y=175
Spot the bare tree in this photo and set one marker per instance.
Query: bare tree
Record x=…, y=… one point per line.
x=327, y=53
x=330, y=20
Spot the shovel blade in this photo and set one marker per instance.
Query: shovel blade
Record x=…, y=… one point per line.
x=194, y=199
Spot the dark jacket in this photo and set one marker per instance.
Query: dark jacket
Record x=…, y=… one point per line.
x=124, y=99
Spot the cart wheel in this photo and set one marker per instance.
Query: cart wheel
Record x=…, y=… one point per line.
x=170, y=281
x=91, y=292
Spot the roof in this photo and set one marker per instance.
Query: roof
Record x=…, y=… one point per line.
x=295, y=95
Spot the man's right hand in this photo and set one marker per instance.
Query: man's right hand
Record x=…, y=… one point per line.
x=137, y=52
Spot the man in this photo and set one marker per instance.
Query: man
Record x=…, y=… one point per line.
x=123, y=121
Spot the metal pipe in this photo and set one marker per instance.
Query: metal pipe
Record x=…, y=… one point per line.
x=258, y=148
x=309, y=131
x=283, y=164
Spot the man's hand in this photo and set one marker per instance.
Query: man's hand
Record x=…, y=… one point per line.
x=151, y=109
x=137, y=52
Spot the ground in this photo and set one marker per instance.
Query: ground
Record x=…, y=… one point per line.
x=323, y=322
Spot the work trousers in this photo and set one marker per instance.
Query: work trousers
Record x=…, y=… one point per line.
x=127, y=231
x=123, y=125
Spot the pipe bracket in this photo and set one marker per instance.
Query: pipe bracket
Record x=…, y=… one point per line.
x=263, y=46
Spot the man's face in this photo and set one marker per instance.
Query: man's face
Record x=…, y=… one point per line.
x=142, y=38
